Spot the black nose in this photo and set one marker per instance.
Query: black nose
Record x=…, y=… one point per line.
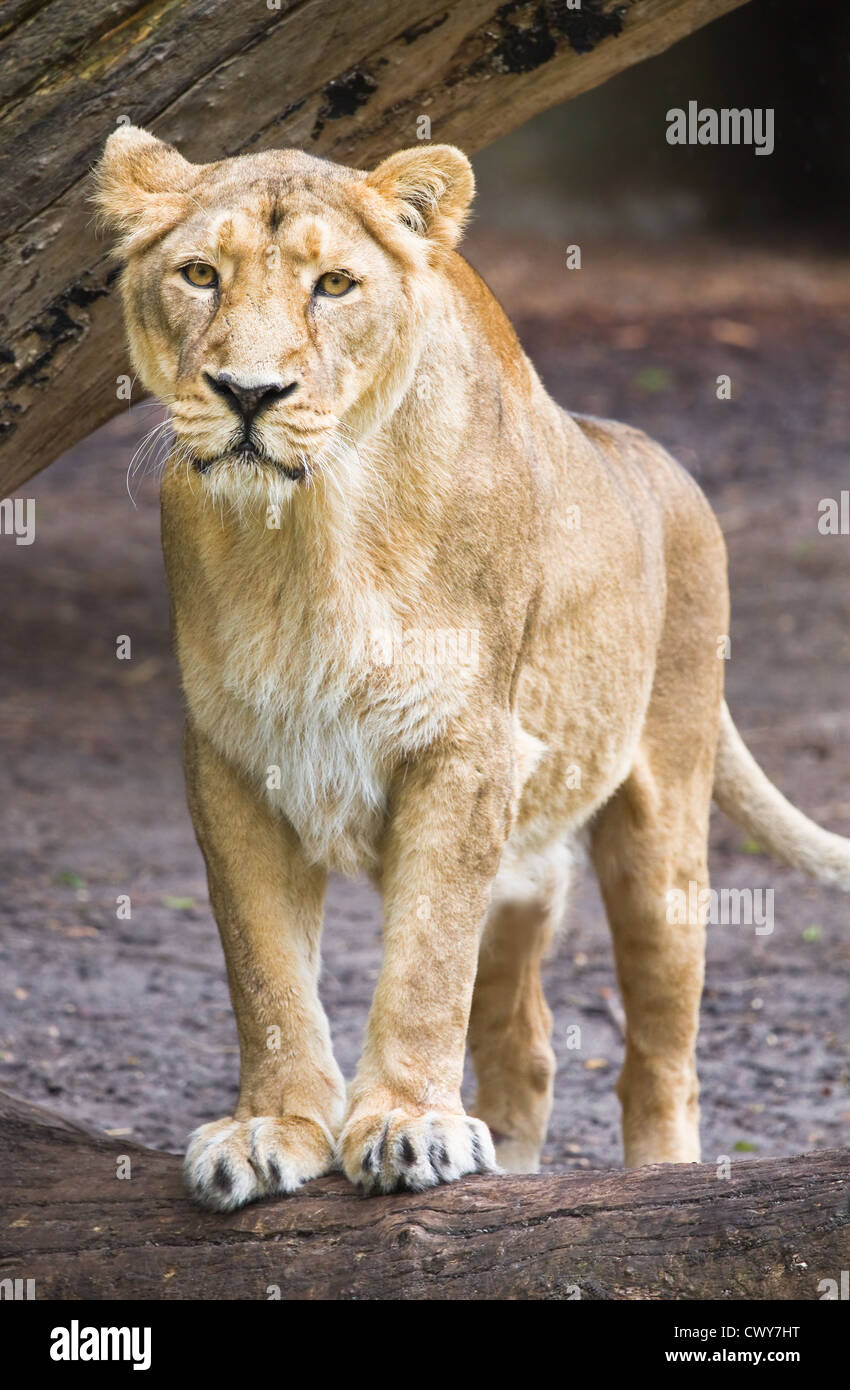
x=248, y=401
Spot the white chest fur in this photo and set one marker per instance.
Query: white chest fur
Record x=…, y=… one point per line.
x=317, y=705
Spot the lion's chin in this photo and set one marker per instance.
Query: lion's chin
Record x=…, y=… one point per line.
x=255, y=486
x=252, y=460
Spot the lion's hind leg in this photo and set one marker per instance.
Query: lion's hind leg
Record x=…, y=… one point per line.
x=510, y=1024
x=649, y=850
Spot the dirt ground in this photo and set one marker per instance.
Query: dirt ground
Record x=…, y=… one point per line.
x=126, y=1024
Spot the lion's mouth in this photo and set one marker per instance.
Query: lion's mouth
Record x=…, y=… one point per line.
x=247, y=455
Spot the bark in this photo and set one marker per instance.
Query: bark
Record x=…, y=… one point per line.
x=773, y=1229
x=347, y=79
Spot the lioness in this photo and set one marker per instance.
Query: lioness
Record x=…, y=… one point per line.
x=365, y=461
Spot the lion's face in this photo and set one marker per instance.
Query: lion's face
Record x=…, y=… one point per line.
x=264, y=321
x=274, y=301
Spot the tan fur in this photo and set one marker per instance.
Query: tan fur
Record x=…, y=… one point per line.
x=430, y=627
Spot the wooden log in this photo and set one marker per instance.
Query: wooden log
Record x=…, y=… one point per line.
x=773, y=1229
x=347, y=79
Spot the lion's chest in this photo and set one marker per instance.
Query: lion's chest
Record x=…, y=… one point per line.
x=315, y=755
x=319, y=715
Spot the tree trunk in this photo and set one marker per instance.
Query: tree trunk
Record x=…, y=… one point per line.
x=773, y=1229
x=347, y=79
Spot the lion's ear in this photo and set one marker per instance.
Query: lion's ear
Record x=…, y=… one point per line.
x=432, y=187
x=140, y=186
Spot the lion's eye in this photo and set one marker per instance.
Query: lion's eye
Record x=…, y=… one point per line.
x=335, y=283
x=201, y=275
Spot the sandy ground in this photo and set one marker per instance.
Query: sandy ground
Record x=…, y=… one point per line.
x=126, y=1024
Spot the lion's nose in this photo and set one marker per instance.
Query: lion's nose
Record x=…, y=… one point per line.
x=247, y=399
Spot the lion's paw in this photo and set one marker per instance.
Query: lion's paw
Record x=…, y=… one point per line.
x=387, y=1153
x=231, y=1162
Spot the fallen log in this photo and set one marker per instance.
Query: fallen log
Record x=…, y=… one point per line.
x=348, y=79
x=87, y=1215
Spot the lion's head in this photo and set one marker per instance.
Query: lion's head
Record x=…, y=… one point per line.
x=274, y=301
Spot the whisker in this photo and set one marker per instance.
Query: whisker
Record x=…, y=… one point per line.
x=139, y=463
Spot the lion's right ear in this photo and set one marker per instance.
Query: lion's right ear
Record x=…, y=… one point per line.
x=140, y=186
x=431, y=188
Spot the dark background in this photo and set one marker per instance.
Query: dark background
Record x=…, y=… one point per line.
x=601, y=165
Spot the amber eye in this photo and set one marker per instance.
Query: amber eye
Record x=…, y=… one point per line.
x=201, y=275
x=334, y=283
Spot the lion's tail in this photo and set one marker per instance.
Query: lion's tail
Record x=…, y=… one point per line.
x=750, y=799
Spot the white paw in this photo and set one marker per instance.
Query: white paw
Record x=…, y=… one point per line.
x=386, y=1153
x=231, y=1162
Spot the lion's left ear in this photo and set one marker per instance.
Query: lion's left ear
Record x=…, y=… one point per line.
x=432, y=187
x=141, y=185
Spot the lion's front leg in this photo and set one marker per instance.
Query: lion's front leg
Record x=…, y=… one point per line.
x=268, y=905
x=405, y=1124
